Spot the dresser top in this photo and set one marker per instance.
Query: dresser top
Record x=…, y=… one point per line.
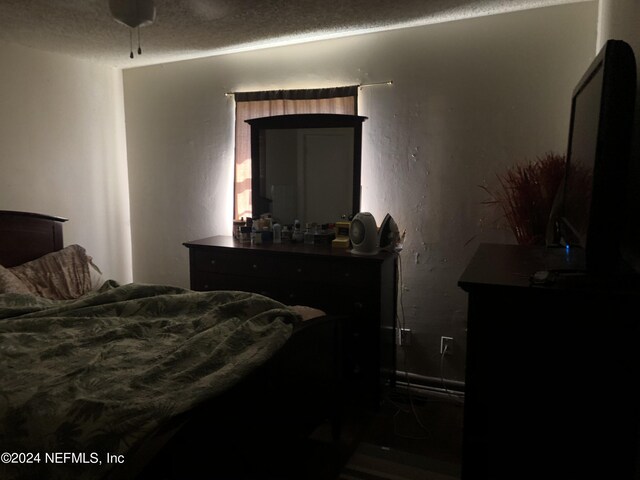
x=513, y=266
x=228, y=242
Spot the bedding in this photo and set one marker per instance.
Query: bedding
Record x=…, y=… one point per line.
x=9, y=283
x=98, y=375
x=64, y=274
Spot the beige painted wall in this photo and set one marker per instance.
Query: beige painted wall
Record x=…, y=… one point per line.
x=618, y=19
x=469, y=98
x=62, y=150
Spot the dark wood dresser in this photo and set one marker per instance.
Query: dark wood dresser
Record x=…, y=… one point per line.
x=363, y=288
x=551, y=388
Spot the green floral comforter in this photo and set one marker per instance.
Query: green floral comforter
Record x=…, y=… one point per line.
x=83, y=379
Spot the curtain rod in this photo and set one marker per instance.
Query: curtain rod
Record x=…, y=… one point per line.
x=374, y=84
x=362, y=85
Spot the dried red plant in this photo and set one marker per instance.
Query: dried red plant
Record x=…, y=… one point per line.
x=526, y=194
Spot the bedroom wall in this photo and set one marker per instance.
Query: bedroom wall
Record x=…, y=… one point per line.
x=469, y=98
x=63, y=152
x=618, y=19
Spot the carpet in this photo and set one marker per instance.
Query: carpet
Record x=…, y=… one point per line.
x=372, y=462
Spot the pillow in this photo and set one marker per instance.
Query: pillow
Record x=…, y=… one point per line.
x=307, y=313
x=58, y=275
x=9, y=283
x=95, y=274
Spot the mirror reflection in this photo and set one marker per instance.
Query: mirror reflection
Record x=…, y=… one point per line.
x=306, y=167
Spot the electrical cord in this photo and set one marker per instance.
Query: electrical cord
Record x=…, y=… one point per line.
x=401, y=322
x=411, y=409
x=449, y=393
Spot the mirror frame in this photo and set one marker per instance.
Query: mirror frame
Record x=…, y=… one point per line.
x=260, y=204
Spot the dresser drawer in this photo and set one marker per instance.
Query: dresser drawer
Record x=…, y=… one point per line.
x=284, y=291
x=204, y=281
x=355, y=273
x=250, y=263
x=300, y=269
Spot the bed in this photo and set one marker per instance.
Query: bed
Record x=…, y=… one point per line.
x=102, y=380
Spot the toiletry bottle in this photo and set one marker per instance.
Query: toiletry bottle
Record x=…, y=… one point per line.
x=298, y=236
x=277, y=233
x=256, y=235
x=286, y=234
x=308, y=234
x=245, y=235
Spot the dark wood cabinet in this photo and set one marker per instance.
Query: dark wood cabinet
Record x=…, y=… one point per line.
x=552, y=368
x=362, y=288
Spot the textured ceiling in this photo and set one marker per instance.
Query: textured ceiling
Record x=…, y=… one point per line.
x=195, y=28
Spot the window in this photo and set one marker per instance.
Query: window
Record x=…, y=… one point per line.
x=341, y=100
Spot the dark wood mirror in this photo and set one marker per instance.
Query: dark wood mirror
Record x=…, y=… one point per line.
x=306, y=167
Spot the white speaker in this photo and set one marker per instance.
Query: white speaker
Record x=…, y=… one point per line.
x=363, y=233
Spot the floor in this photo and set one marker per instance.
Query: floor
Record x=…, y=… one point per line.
x=427, y=427
x=423, y=426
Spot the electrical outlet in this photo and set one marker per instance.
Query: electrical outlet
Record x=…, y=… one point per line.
x=404, y=337
x=446, y=345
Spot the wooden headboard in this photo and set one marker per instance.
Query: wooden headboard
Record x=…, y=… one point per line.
x=26, y=236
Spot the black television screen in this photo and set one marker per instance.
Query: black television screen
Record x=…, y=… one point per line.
x=595, y=206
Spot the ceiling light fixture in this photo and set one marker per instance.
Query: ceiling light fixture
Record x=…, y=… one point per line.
x=133, y=14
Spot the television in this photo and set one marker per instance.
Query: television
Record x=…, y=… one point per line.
x=595, y=201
